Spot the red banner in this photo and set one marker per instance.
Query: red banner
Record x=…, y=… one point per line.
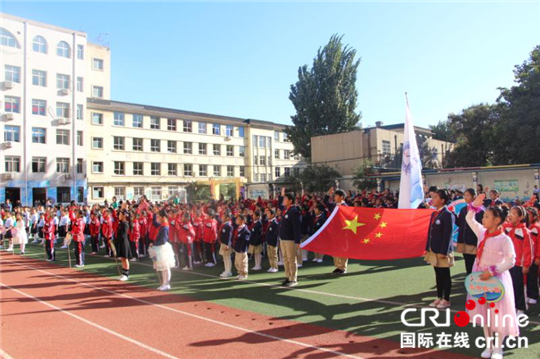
x=372, y=233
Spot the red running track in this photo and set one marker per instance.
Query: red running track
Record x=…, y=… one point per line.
x=48, y=311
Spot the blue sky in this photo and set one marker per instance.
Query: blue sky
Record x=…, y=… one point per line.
x=239, y=59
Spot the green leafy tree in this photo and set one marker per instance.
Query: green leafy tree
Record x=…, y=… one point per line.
x=363, y=176
x=324, y=96
x=442, y=131
x=197, y=191
x=316, y=178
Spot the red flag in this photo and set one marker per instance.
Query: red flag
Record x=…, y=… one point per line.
x=372, y=233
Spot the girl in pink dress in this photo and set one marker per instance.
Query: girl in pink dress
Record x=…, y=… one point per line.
x=495, y=257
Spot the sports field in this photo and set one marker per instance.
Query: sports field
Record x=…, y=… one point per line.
x=49, y=310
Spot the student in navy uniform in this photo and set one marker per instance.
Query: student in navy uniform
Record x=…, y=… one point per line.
x=272, y=240
x=305, y=229
x=225, y=240
x=241, y=244
x=339, y=200
x=318, y=221
x=439, y=247
x=255, y=240
x=290, y=235
x=467, y=240
x=494, y=201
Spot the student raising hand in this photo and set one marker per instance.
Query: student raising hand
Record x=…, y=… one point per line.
x=479, y=200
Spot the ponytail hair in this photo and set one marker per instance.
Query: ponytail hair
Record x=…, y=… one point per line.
x=499, y=212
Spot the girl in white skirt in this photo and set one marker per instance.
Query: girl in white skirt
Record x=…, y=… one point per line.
x=161, y=250
x=21, y=238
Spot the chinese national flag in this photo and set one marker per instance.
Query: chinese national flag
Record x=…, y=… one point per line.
x=372, y=233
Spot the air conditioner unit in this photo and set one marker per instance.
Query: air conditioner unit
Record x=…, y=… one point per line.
x=8, y=116
x=7, y=176
x=64, y=92
x=8, y=144
x=8, y=85
x=64, y=121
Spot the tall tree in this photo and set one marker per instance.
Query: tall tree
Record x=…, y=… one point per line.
x=317, y=177
x=324, y=96
x=364, y=176
x=442, y=131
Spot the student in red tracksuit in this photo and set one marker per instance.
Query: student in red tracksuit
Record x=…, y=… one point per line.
x=134, y=237
x=95, y=227
x=143, y=247
x=517, y=230
x=152, y=228
x=210, y=237
x=49, y=230
x=107, y=232
x=532, y=277
x=173, y=235
x=186, y=235
x=196, y=221
x=77, y=232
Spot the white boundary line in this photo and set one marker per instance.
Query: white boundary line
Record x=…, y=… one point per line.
x=307, y=241
x=107, y=330
x=5, y=355
x=273, y=337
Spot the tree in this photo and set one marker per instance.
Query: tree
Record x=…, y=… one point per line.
x=442, y=131
x=518, y=135
x=198, y=191
x=363, y=178
x=324, y=96
x=317, y=177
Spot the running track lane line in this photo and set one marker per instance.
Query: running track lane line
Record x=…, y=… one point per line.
x=360, y=299
x=170, y=309
x=133, y=341
x=5, y=355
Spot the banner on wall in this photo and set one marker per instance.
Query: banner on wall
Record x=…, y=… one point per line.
x=506, y=185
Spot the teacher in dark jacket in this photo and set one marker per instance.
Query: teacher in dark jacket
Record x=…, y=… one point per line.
x=467, y=241
x=290, y=235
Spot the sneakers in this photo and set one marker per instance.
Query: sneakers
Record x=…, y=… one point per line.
x=444, y=304
x=176, y=266
x=107, y=256
x=497, y=354
x=273, y=270
x=291, y=284
x=123, y=278
x=319, y=260
x=532, y=301
x=486, y=354
x=135, y=260
x=102, y=246
x=435, y=303
x=22, y=253
x=256, y=268
x=314, y=260
x=79, y=265
x=164, y=288
x=93, y=253
x=520, y=312
x=210, y=264
x=9, y=250
x=225, y=275
x=187, y=268
x=64, y=247
x=339, y=271
x=196, y=262
x=285, y=282
x=35, y=241
x=241, y=277
x=280, y=263
x=298, y=265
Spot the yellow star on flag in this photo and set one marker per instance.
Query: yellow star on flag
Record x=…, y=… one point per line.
x=378, y=235
x=352, y=225
x=377, y=216
x=384, y=224
x=366, y=240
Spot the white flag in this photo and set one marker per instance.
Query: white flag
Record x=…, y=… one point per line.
x=411, y=191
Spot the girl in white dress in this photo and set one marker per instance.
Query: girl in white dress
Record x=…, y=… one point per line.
x=21, y=237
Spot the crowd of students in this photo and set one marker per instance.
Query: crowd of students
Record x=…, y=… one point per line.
x=496, y=238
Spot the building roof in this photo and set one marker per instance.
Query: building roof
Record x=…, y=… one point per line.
x=401, y=126
x=3, y=15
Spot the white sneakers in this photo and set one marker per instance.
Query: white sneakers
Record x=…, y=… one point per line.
x=164, y=288
x=79, y=265
x=520, y=312
x=319, y=260
x=225, y=275
x=64, y=247
x=486, y=354
x=444, y=304
x=256, y=268
x=187, y=268
x=273, y=270
x=210, y=264
x=532, y=301
x=280, y=263
x=435, y=303
x=241, y=277
x=298, y=265
x=135, y=260
x=102, y=246
x=123, y=278
x=497, y=354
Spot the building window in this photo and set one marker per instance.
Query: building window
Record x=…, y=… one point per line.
x=154, y=123
x=242, y=151
x=137, y=121
x=62, y=137
x=188, y=148
x=80, y=84
x=255, y=140
x=285, y=137
x=12, y=104
x=276, y=136
x=39, y=164
x=38, y=135
x=172, y=169
x=39, y=78
x=80, y=111
x=97, y=64
x=119, y=168
x=173, y=190
x=255, y=177
x=217, y=171
x=242, y=171
x=287, y=154
x=119, y=119
x=216, y=129
x=97, y=192
x=296, y=156
x=202, y=148
x=138, y=192
x=203, y=170
x=171, y=124
x=296, y=171
x=138, y=168
x=80, y=52
x=79, y=138
x=12, y=133
x=386, y=147
x=217, y=150
x=276, y=154
x=155, y=168
x=188, y=126
x=39, y=44
x=277, y=172
x=97, y=118
x=171, y=146
x=188, y=170
x=255, y=160
x=262, y=161
x=230, y=150
x=13, y=73
x=119, y=143
x=97, y=167
x=62, y=109
x=63, y=50
x=39, y=107
x=62, y=165
x=155, y=145
x=262, y=141
x=287, y=171
x=230, y=171
x=12, y=164
x=202, y=127
x=80, y=165
x=241, y=132
x=7, y=39
x=229, y=130
x=97, y=91
x=137, y=144
x=62, y=81
x=120, y=193
x=97, y=143
x=156, y=193
x=263, y=177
